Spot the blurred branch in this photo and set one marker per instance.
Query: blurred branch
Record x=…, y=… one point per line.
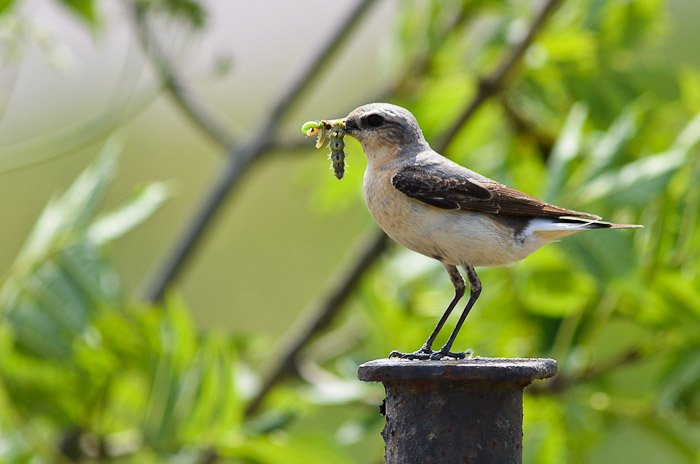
x=240, y=158
x=524, y=126
x=69, y=445
x=564, y=381
x=315, y=67
x=376, y=246
x=494, y=84
x=321, y=316
x=418, y=67
x=174, y=84
x=423, y=63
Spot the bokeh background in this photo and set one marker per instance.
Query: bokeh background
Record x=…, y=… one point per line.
x=118, y=117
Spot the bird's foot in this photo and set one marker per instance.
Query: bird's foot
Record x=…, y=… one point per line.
x=428, y=354
x=443, y=354
x=423, y=353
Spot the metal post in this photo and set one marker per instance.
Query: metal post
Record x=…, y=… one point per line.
x=465, y=411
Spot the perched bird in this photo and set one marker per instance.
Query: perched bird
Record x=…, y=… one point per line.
x=440, y=209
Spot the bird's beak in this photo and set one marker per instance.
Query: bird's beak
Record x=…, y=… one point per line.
x=332, y=122
x=350, y=125
x=328, y=123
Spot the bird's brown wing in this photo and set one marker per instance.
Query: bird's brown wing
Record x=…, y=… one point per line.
x=445, y=189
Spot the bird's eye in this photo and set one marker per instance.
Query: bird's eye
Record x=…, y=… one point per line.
x=374, y=120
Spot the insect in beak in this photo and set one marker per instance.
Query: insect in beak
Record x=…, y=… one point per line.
x=334, y=131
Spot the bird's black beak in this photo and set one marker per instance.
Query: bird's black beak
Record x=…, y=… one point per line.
x=351, y=126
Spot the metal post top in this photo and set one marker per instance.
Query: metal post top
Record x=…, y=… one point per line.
x=476, y=368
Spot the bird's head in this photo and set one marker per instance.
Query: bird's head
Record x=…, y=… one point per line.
x=385, y=131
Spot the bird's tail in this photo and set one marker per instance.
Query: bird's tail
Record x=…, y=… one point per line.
x=626, y=226
x=552, y=229
x=582, y=223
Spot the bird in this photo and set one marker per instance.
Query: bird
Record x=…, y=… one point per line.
x=440, y=209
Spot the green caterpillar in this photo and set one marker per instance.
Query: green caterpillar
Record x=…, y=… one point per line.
x=337, y=149
x=334, y=131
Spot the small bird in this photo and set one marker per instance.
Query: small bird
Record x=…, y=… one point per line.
x=445, y=211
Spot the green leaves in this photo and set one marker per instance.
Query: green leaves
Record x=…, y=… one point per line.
x=610, y=146
x=61, y=278
x=144, y=203
x=66, y=330
x=190, y=12
x=138, y=380
x=594, y=118
x=566, y=148
x=191, y=395
x=636, y=183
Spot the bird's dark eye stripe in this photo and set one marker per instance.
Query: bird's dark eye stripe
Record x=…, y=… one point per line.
x=373, y=120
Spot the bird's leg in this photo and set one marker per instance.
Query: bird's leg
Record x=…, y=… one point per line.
x=475, y=291
x=426, y=351
x=458, y=284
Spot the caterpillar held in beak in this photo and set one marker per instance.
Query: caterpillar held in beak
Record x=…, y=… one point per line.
x=332, y=131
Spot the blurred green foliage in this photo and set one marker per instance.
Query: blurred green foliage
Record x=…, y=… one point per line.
x=188, y=11
x=596, y=119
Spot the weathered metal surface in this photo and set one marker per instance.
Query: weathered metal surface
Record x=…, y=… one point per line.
x=465, y=411
x=476, y=368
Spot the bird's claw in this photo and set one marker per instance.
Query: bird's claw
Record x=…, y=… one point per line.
x=443, y=354
x=428, y=354
x=423, y=353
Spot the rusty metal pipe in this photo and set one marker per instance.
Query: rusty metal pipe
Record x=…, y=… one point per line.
x=463, y=411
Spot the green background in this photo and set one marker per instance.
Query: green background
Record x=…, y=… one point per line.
x=600, y=115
